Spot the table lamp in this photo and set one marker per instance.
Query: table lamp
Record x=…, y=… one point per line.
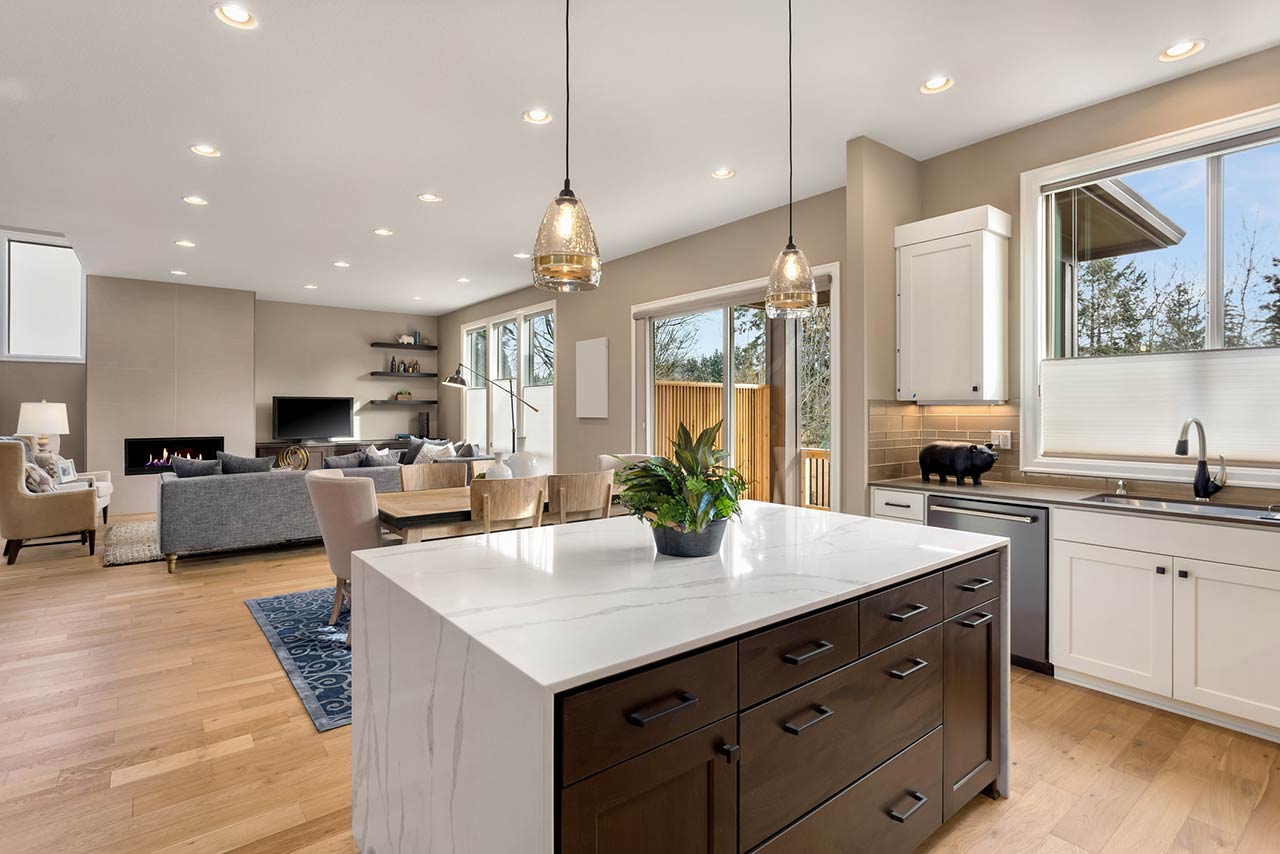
x=40, y=420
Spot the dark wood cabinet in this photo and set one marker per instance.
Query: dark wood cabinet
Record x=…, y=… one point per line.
x=971, y=705
x=970, y=584
x=773, y=661
x=681, y=798
x=899, y=612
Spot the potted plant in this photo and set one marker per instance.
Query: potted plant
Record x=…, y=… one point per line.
x=403, y=394
x=686, y=500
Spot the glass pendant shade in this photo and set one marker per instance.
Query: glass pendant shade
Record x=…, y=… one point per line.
x=565, y=255
x=792, y=292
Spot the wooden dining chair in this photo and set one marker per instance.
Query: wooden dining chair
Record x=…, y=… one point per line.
x=579, y=493
x=432, y=476
x=508, y=500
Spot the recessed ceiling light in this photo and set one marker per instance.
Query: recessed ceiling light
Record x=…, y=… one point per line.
x=417, y=299
x=195, y=200
x=1182, y=50
x=341, y=264
x=523, y=256
x=205, y=150
x=234, y=15
x=311, y=287
x=936, y=85
x=429, y=198
x=177, y=272
x=722, y=173
x=185, y=244
x=536, y=116
x=462, y=280
x=383, y=232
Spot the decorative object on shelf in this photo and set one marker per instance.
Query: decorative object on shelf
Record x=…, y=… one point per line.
x=565, y=255
x=405, y=339
x=686, y=500
x=417, y=338
x=293, y=457
x=403, y=394
x=957, y=459
x=42, y=420
x=456, y=380
x=792, y=292
x=522, y=463
x=499, y=469
x=417, y=366
x=391, y=368
x=424, y=424
x=401, y=369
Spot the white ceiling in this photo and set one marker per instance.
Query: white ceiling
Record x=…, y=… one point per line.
x=333, y=116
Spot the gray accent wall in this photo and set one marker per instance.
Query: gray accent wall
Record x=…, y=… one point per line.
x=57, y=382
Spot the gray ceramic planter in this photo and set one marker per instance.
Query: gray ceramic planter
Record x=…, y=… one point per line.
x=675, y=543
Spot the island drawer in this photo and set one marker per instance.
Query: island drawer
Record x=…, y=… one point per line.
x=970, y=584
x=899, y=612
x=893, y=809
x=808, y=744
x=776, y=660
x=605, y=725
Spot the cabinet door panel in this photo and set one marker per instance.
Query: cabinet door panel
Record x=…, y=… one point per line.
x=678, y=799
x=970, y=705
x=1111, y=614
x=940, y=319
x=1226, y=646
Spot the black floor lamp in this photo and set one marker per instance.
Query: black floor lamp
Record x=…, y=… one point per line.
x=457, y=380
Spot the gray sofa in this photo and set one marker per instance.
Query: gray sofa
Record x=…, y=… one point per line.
x=199, y=515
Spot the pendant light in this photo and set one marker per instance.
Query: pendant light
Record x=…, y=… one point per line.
x=565, y=255
x=792, y=292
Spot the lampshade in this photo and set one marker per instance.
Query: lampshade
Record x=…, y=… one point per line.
x=565, y=255
x=43, y=419
x=455, y=380
x=792, y=292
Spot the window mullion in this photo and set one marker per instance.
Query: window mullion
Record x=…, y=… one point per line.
x=1215, y=328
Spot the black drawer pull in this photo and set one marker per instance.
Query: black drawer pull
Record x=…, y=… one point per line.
x=910, y=611
x=973, y=624
x=916, y=664
x=1160, y=570
x=1182, y=573
x=896, y=504
x=801, y=658
x=796, y=729
x=920, y=800
x=976, y=585
x=686, y=701
x=730, y=752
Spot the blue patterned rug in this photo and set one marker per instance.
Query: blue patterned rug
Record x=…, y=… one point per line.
x=312, y=652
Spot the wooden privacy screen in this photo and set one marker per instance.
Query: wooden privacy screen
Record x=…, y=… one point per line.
x=699, y=405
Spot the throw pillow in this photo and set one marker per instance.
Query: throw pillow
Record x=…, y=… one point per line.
x=411, y=453
x=466, y=449
x=37, y=479
x=51, y=465
x=233, y=464
x=28, y=456
x=436, y=442
x=431, y=453
x=374, y=457
x=184, y=467
x=343, y=461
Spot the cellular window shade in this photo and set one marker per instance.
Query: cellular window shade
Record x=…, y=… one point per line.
x=1134, y=406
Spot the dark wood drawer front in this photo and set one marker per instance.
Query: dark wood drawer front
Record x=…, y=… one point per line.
x=615, y=721
x=970, y=584
x=971, y=705
x=681, y=798
x=808, y=744
x=774, y=661
x=891, y=811
x=900, y=612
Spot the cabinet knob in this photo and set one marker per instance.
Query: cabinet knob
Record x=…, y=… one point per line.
x=730, y=752
x=1160, y=570
x=1182, y=573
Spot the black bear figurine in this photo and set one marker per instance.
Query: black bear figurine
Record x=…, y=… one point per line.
x=958, y=459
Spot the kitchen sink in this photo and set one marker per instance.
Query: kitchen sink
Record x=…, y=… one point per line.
x=1202, y=509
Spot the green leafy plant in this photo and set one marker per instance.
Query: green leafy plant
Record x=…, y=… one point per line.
x=687, y=492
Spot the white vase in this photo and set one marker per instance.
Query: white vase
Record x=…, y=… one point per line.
x=522, y=463
x=499, y=470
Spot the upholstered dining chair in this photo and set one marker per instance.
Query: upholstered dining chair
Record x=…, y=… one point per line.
x=613, y=462
x=29, y=516
x=579, y=493
x=432, y=476
x=347, y=510
x=508, y=500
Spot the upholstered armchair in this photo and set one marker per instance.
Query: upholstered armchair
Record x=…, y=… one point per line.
x=28, y=516
x=98, y=481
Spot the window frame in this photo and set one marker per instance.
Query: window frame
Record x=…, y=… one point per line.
x=1211, y=139
x=8, y=237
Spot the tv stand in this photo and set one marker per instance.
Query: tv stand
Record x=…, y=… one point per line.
x=320, y=449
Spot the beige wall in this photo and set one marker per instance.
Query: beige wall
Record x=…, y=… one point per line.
x=52, y=381
x=316, y=350
x=736, y=252
x=164, y=360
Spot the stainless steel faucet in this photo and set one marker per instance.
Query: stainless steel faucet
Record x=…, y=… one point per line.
x=1204, y=486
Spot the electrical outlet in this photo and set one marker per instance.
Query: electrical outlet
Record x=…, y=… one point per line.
x=1002, y=438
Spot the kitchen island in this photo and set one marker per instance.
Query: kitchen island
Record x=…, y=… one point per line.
x=826, y=683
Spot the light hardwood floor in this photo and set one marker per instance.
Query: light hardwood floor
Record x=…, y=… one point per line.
x=145, y=712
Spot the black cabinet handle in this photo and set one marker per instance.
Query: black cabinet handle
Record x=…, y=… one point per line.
x=896, y=504
x=1160, y=570
x=976, y=585
x=1182, y=573
x=730, y=752
x=916, y=664
x=685, y=700
x=920, y=800
x=911, y=611
x=973, y=624
x=801, y=658
x=796, y=729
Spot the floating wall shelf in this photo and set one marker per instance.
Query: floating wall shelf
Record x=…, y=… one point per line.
x=422, y=375
x=410, y=402
x=392, y=345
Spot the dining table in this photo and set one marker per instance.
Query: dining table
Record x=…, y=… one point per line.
x=434, y=514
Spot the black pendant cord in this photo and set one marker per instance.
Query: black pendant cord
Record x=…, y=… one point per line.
x=568, y=191
x=791, y=156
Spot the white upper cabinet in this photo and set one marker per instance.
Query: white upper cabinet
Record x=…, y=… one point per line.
x=953, y=274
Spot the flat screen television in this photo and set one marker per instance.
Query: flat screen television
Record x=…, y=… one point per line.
x=296, y=418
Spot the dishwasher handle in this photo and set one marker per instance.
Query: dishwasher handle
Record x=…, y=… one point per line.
x=985, y=514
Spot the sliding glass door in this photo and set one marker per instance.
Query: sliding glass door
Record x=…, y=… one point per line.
x=688, y=375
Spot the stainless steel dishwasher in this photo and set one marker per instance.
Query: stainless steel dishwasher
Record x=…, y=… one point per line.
x=1027, y=528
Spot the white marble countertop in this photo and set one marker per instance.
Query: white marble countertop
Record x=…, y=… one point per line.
x=566, y=605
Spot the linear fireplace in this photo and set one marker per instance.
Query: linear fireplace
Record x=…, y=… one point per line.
x=151, y=455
